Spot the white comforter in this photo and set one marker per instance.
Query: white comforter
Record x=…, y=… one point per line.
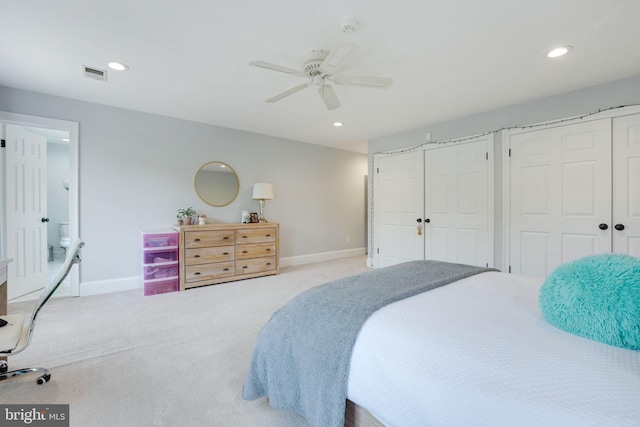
x=478, y=353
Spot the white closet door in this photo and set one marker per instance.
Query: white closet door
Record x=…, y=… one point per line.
x=626, y=185
x=560, y=195
x=456, y=203
x=398, y=203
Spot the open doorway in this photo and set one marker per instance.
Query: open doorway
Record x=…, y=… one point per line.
x=58, y=166
x=60, y=216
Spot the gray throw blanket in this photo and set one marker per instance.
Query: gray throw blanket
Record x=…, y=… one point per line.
x=302, y=355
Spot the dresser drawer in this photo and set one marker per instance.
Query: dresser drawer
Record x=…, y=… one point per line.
x=255, y=265
x=201, y=239
x=208, y=255
x=255, y=250
x=258, y=235
x=196, y=273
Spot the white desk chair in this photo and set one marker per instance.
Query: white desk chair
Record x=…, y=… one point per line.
x=16, y=335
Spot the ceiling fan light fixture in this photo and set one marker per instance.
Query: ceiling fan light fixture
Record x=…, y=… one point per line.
x=319, y=68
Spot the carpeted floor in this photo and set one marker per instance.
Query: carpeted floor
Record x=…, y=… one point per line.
x=172, y=359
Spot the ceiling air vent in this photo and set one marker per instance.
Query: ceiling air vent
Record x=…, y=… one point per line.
x=94, y=73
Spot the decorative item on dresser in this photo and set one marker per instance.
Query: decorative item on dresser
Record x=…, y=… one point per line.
x=217, y=253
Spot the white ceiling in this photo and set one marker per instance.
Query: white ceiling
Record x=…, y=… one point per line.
x=189, y=59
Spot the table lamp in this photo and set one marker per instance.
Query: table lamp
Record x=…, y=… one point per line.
x=262, y=192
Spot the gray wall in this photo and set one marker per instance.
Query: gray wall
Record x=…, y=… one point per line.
x=137, y=169
x=615, y=94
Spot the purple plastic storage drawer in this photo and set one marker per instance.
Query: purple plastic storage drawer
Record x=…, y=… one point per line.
x=159, y=256
x=152, y=272
x=159, y=240
x=161, y=286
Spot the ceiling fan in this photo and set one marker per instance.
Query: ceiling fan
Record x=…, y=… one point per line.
x=319, y=66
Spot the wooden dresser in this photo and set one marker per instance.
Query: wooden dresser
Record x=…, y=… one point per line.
x=217, y=253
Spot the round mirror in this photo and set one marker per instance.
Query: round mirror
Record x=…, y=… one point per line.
x=217, y=183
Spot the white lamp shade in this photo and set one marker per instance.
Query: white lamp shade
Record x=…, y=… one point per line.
x=262, y=191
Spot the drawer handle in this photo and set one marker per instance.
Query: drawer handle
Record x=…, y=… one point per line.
x=268, y=235
x=196, y=256
x=245, y=266
x=244, y=237
x=268, y=249
x=225, y=238
x=196, y=240
x=244, y=252
x=268, y=263
x=225, y=253
x=225, y=269
x=197, y=273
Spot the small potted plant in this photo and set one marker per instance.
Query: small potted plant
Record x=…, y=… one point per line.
x=186, y=215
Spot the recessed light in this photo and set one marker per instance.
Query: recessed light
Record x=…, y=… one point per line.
x=558, y=51
x=118, y=66
x=338, y=124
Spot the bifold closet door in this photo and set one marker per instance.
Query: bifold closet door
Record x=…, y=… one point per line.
x=398, y=202
x=626, y=185
x=456, y=203
x=560, y=195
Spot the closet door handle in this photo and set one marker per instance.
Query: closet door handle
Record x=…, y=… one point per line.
x=427, y=220
x=603, y=226
x=619, y=227
x=44, y=219
x=419, y=220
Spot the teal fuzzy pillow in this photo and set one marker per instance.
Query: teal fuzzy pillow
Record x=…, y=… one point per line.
x=596, y=297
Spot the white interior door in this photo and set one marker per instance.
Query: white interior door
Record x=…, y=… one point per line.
x=560, y=195
x=457, y=203
x=626, y=185
x=26, y=206
x=398, y=204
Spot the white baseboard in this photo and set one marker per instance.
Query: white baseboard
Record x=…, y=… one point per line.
x=323, y=256
x=98, y=287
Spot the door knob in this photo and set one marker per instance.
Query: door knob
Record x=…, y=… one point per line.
x=619, y=227
x=603, y=226
x=45, y=220
x=419, y=220
x=427, y=220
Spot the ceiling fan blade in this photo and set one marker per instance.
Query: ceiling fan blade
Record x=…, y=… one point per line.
x=364, y=81
x=280, y=68
x=329, y=97
x=288, y=92
x=337, y=57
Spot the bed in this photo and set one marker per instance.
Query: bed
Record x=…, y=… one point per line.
x=474, y=351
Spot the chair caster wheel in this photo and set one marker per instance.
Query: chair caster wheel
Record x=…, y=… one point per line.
x=43, y=379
